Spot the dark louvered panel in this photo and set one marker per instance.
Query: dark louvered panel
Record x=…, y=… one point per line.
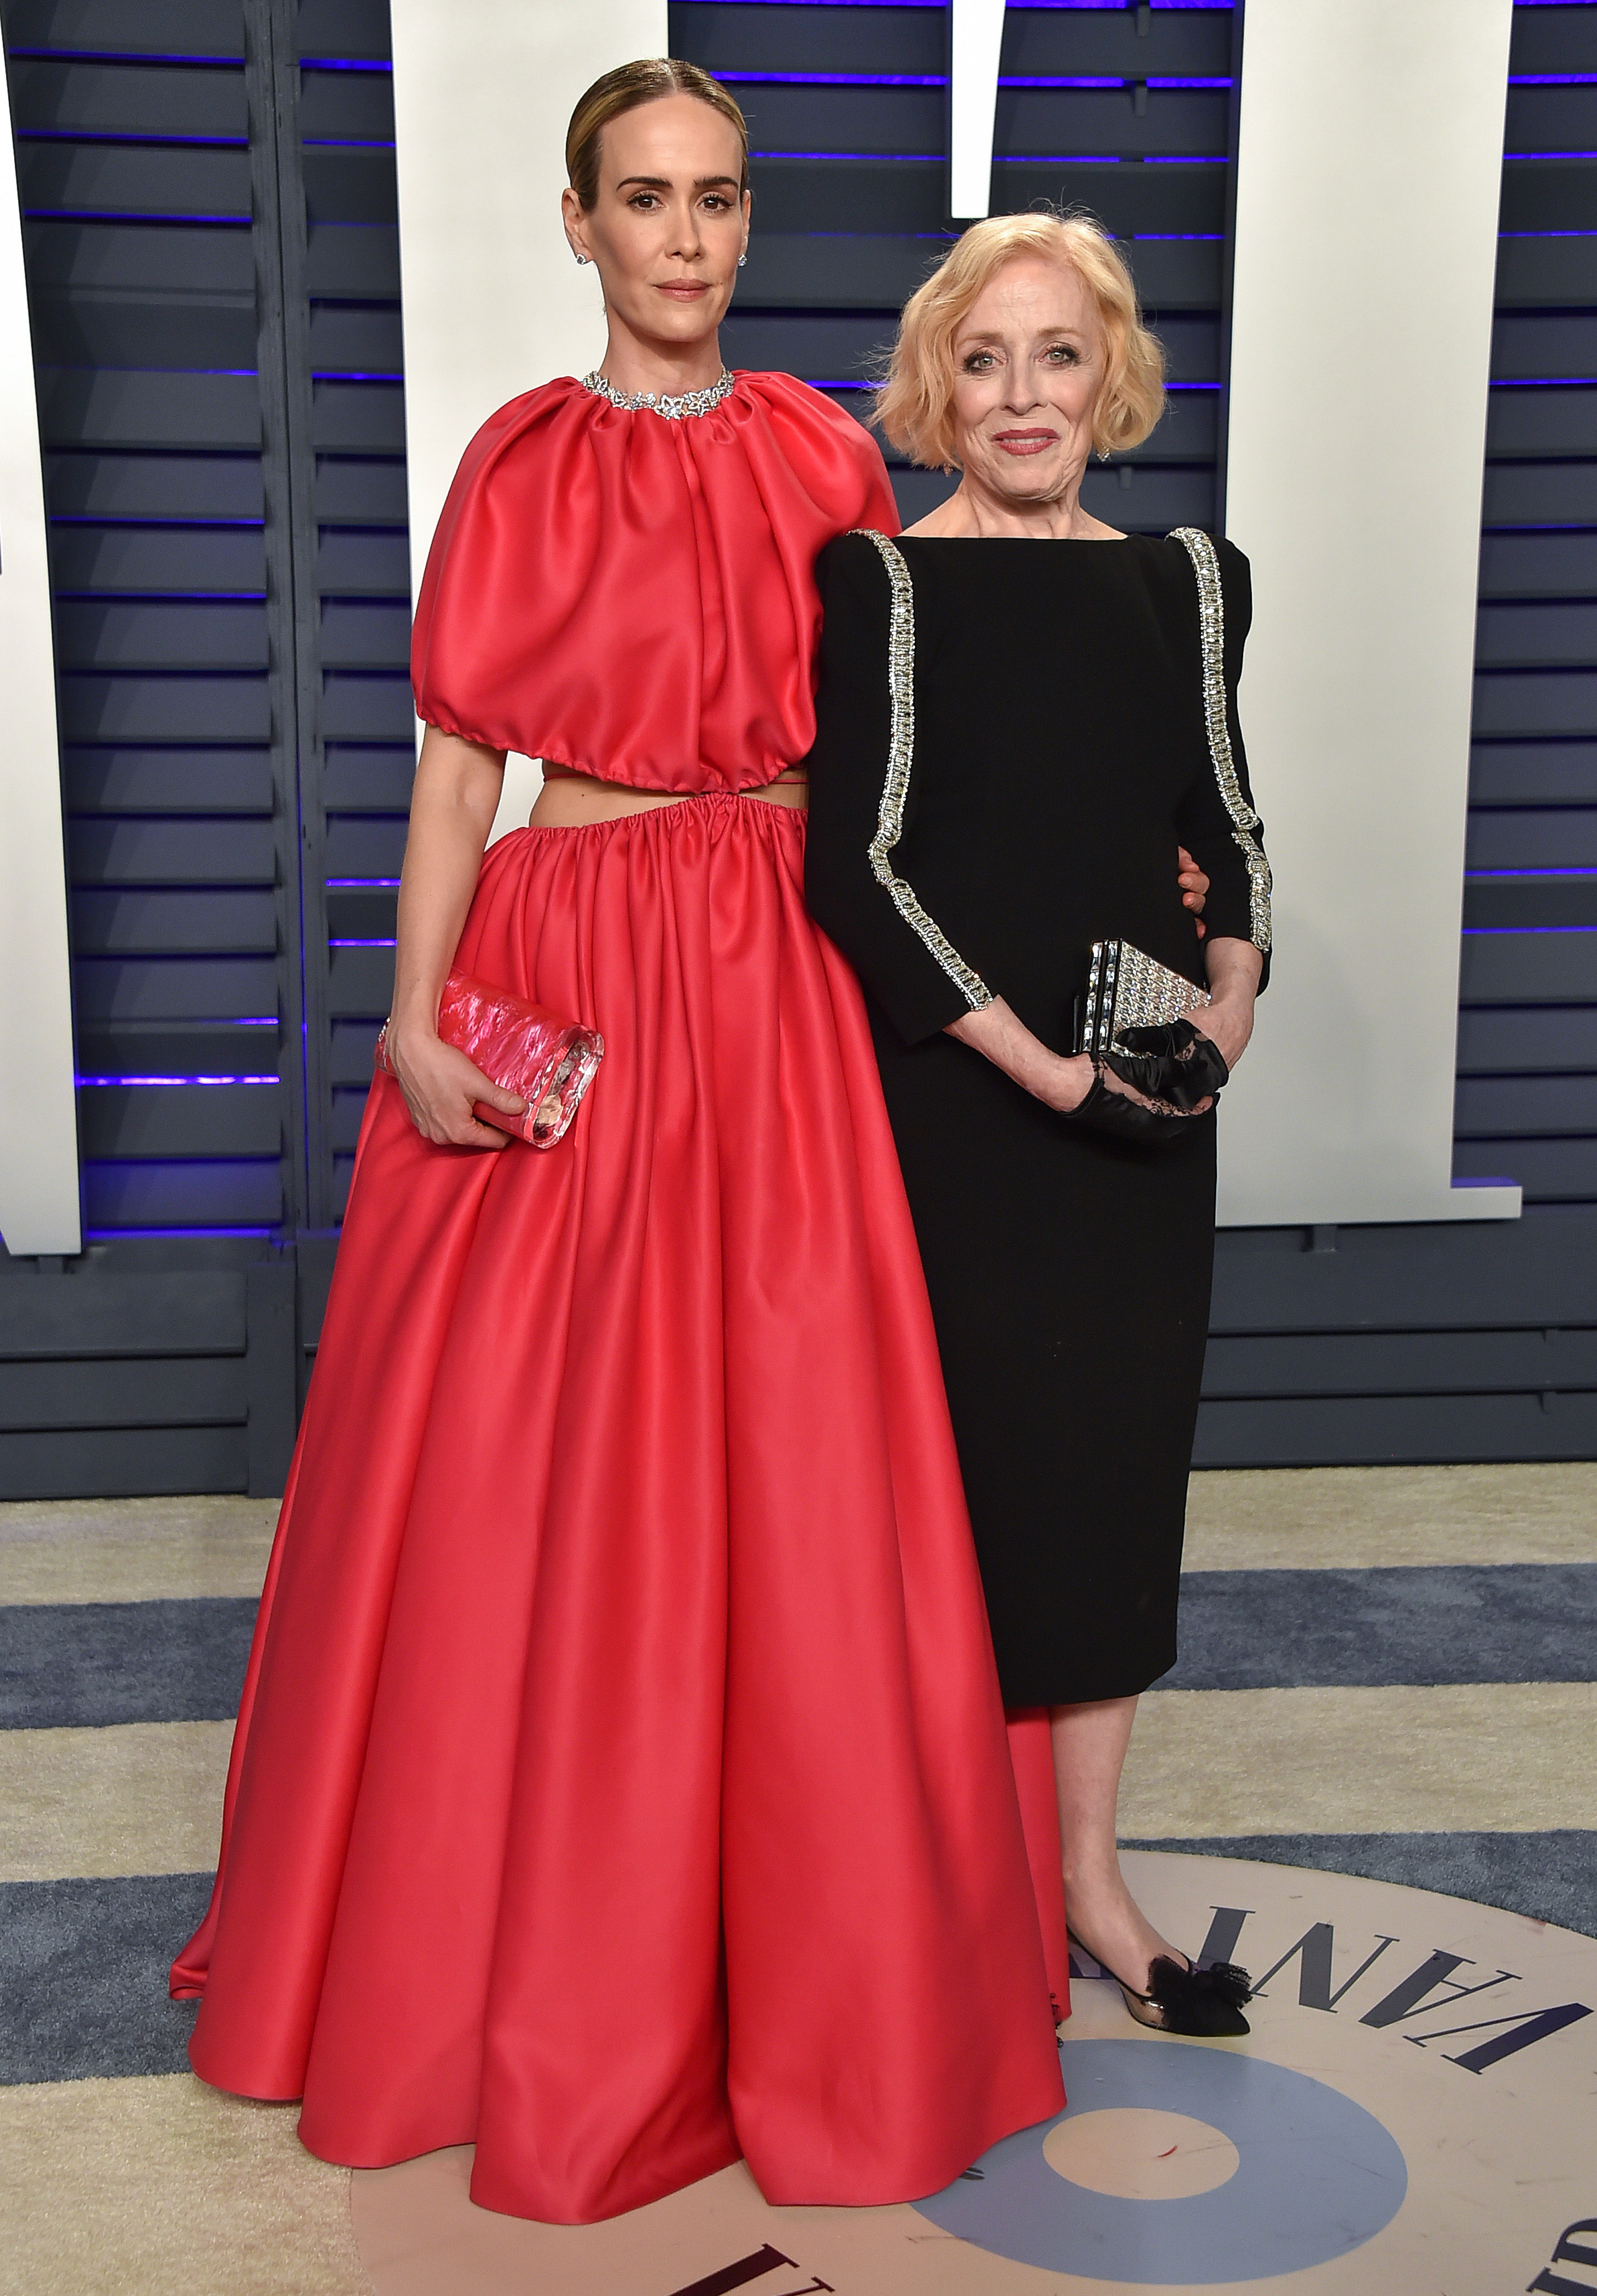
x=361, y=570
x=1527, y=1104
x=134, y=164
x=850, y=181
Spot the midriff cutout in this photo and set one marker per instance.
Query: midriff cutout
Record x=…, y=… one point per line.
x=572, y=800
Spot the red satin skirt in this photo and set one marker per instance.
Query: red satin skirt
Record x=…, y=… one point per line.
x=620, y=1781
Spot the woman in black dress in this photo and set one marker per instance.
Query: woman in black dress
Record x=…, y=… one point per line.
x=1012, y=745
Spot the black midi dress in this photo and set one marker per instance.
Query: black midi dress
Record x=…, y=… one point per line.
x=1013, y=737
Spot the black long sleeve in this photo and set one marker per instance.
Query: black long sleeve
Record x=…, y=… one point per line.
x=847, y=774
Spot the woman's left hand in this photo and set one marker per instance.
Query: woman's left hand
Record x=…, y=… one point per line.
x=1234, y=969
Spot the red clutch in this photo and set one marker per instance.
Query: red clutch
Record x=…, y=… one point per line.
x=547, y=1061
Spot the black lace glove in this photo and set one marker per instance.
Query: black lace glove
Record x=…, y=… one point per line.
x=1175, y=1064
x=1103, y=1110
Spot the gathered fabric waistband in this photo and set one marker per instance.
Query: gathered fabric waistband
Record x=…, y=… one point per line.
x=571, y=799
x=790, y=777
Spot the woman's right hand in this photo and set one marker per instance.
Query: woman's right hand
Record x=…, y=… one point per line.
x=440, y=1086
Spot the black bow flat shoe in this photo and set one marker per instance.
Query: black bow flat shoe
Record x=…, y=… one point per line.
x=1206, y=2004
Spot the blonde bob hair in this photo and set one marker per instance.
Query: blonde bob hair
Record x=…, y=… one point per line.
x=915, y=404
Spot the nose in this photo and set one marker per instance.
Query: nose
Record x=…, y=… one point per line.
x=687, y=238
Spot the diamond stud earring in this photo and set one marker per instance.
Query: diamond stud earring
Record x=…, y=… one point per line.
x=741, y=260
x=582, y=259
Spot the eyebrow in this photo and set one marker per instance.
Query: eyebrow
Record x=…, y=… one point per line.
x=664, y=182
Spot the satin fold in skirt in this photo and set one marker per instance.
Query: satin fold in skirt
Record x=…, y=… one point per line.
x=620, y=1782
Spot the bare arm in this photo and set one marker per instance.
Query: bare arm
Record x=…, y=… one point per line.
x=452, y=804
x=998, y=1032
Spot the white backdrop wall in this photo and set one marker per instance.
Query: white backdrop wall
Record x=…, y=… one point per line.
x=493, y=301
x=1368, y=169
x=1368, y=158
x=38, y=1119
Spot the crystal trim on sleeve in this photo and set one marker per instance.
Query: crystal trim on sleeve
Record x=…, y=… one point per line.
x=1211, y=616
x=901, y=756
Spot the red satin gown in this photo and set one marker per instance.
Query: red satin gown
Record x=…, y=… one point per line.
x=620, y=1781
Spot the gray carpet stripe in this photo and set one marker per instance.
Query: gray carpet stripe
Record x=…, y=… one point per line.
x=83, y=1665
x=82, y=1976
x=1549, y=1877
x=1370, y=1630
x=66, y=1665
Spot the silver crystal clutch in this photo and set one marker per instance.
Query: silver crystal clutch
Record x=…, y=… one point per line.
x=1129, y=989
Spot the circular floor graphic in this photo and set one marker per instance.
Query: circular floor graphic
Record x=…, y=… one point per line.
x=1412, y=2115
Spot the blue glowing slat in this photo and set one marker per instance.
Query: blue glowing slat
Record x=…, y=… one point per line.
x=1543, y=382
x=127, y=215
x=1552, y=79
x=115, y=1234
x=1519, y=876
x=126, y=136
x=1055, y=79
x=1056, y=160
x=1547, y=235
x=343, y=884
x=834, y=79
x=123, y=56
x=1164, y=238
x=374, y=943
x=106, y=1080
x=1550, y=155
x=341, y=63
x=921, y=156
x=1190, y=83
x=347, y=143
x=1475, y=933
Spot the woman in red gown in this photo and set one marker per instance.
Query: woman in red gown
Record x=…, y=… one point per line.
x=620, y=1781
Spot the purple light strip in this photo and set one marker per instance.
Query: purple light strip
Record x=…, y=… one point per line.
x=170, y=597
x=114, y=1235
x=1056, y=160
x=1541, y=381
x=1547, y=235
x=1161, y=238
x=99, y=1082
x=126, y=56
x=1548, y=155
x=1552, y=79
x=1479, y=932
x=361, y=944
x=353, y=375
x=1493, y=876
x=345, y=883
x=341, y=64
x=842, y=79
x=125, y=215
x=130, y=136
x=921, y=156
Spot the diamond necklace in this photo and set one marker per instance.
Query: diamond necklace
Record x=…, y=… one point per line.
x=690, y=402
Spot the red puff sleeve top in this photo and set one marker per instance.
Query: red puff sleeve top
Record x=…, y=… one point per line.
x=635, y=596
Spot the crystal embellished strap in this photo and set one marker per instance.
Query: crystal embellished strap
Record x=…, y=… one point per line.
x=901, y=757
x=649, y=402
x=1211, y=616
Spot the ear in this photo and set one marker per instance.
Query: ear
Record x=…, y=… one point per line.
x=575, y=222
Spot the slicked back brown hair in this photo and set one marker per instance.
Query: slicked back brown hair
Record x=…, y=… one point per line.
x=623, y=90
